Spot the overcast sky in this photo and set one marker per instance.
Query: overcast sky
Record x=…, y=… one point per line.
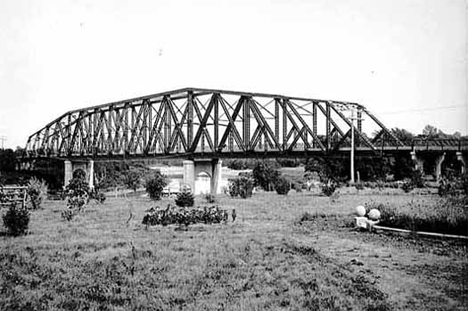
x=405, y=60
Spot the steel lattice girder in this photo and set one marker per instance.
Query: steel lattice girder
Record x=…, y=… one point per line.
x=197, y=122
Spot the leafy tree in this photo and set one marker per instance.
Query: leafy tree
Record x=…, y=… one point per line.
x=336, y=169
x=403, y=167
x=37, y=191
x=430, y=131
x=132, y=179
x=282, y=185
x=16, y=220
x=265, y=175
x=155, y=185
x=241, y=186
x=402, y=134
x=7, y=160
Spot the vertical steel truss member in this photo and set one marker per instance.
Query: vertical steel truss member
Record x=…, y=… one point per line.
x=193, y=122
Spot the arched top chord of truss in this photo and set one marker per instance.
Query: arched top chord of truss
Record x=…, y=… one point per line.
x=193, y=122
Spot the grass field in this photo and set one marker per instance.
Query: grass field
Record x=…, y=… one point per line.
x=266, y=260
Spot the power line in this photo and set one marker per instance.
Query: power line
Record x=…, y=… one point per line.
x=422, y=110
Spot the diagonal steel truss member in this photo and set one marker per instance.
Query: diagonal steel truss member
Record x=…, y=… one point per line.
x=194, y=122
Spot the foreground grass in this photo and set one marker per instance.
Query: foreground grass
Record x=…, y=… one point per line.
x=106, y=260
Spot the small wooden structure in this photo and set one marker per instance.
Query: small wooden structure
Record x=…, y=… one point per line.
x=10, y=195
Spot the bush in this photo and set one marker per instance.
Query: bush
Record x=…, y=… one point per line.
x=407, y=186
x=77, y=187
x=132, y=180
x=97, y=195
x=173, y=215
x=447, y=216
x=241, y=186
x=282, y=185
x=417, y=178
x=185, y=198
x=453, y=186
x=16, y=220
x=329, y=188
x=359, y=186
x=265, y=175
x=210, y=198
x=77, y=192
x=37, y=191
x=155, y=186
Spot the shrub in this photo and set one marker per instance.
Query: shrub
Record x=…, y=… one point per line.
x=282, y=185
x=16, y=220
x=329, y=188
x=297, y=186
x=185, y=198
x=265, y=175
x=74, y=206
x=77, y=192
x=359, y=186
x=417, y=178
x=97, y=195
x=132, y=179
x=210, y=198
x=453, y=186
x=77, y=187
x=182, y=216
x=37, y=191
x=241, y=186
x=448, y=215
x=407, y=186
x=155, y=185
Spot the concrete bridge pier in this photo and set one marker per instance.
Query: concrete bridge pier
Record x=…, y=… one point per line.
x=461, y=159
x=418, y=162
x=73, y=167
x=438, y=166
x=198, y=167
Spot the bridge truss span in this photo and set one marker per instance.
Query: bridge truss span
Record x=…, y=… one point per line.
x=195, y=122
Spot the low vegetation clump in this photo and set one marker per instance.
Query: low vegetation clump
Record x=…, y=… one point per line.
x=97, y=195
x=265, y=175
x=407, y=186
x=185, y=199
x=359, y=186
x=210, y=198
x=329, y=188
x=77, y=193
x=241, y=186
x=282, y=185
x=453, y=186
x=16, y=220
x=182, y=216
x=37, y=192
x=155, y=186
x=448, y=216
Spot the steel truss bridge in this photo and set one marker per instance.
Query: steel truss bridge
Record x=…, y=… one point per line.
x=195, y=123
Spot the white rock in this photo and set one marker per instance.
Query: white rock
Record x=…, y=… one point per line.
x=374, y=214
x=360, y=210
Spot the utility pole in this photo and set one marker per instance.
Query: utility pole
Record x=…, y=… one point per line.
x=3, y=139
x=352, y=145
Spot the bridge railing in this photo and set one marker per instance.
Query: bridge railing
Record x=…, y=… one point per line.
x=459, y=144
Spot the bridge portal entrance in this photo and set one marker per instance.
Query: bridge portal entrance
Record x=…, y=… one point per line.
x=203, y=175
x=84, y=169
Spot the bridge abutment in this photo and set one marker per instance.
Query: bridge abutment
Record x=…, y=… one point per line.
x=198, y=167
x=418, y=162
x=438, y=165
x=72, y=167
x=462, y=160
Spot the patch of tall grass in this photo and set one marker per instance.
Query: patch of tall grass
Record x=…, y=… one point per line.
x=445, y=215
